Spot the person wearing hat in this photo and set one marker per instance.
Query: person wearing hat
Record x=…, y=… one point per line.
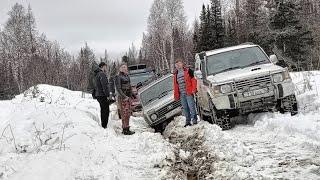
x=102, y=93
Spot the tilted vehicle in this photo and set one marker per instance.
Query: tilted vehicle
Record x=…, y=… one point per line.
x=240, y=80
x=158, y=104
x=139, y=75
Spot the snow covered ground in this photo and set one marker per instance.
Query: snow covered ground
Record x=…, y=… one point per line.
x=60, y=138
x=266, y=146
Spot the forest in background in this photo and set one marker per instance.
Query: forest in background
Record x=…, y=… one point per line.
x=288, y=28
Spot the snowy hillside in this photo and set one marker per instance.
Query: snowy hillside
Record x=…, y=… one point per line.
x=54, y=133
x=61, y=139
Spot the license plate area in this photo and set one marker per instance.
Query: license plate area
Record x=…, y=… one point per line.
x=173, y=112
x=256, y=92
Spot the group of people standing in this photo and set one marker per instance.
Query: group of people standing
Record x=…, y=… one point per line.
x=104, y=95
x=185, y=87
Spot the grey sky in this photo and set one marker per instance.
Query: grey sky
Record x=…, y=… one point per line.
x=104, y=24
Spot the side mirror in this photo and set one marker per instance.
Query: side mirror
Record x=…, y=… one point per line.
x=274, y=59
x=198, y=74
x=139, y=85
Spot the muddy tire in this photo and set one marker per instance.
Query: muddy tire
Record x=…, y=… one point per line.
x=161, y=127
x=222, y=119
x=224, y=122
x=289, y=104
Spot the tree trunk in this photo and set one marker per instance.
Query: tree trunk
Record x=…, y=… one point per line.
x=171, y=54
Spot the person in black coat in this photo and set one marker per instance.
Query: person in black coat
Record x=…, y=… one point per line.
x=125, y=95
x=102, y=93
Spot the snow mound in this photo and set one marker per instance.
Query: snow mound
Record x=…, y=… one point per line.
x=59, y=137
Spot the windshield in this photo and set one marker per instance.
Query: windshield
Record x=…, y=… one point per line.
x=235, y=59
x=140, y=78
x=157, y=91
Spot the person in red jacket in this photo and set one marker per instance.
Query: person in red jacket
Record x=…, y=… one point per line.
x=185, y=87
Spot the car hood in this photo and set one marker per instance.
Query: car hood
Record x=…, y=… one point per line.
x=159, y=103
x=238, y=74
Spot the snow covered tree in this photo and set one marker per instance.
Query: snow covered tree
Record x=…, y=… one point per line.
x=166, y=27
x=204, y=32
x=293, y=39
x=218, y=30
x=176, y=22
x=230, y=36
x=132, y=54
x=86, y=58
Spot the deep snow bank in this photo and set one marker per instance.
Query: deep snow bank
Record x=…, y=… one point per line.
x=56, y=135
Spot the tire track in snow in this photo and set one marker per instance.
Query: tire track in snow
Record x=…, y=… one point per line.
x=245, y=152
x=192, y=160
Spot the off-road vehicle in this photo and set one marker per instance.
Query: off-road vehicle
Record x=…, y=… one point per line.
x=139, y=75
x=158, y=104
x=240, y=80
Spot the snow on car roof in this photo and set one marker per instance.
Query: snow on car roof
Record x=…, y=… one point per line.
x=217, y=51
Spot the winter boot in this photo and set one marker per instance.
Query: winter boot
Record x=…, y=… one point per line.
x=187, y=124
x=126, y=131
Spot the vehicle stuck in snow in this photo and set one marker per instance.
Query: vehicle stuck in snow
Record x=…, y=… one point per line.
x=240, y=80
x=139, y=76
x=158, y=104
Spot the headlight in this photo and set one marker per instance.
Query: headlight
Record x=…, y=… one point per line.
x=215, y=90
x=277, y=77
x=153, y=116
x=226, y=88
x=286, y=75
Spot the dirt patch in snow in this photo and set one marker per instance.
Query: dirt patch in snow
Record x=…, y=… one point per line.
x=192, y=160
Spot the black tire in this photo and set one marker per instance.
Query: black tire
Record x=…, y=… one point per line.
x=289, y=104
x=222, y=119
x=161, y=127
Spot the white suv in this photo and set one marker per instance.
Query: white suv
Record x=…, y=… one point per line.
x=240, y=80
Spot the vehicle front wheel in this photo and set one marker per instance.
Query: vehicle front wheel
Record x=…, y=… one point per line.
x=222, y=119
x=289, y=104
x=161, y=127
x=199, y=109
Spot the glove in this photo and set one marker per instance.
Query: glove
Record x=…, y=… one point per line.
x=111, y=100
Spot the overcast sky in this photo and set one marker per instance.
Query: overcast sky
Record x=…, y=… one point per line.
x=104, y=24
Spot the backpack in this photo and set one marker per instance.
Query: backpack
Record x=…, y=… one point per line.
x=92, y=85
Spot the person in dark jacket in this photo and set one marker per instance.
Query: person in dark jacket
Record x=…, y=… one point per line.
x=102, y=93
x=185, y=87
x=125, y=94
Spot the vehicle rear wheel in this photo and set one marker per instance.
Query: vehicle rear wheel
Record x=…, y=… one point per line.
x=222, y=119
x=289, y=104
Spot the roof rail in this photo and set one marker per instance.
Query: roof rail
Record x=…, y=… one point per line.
x=248, y=43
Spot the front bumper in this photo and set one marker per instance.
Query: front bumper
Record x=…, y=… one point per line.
x=164, y=113
x=245, y=103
